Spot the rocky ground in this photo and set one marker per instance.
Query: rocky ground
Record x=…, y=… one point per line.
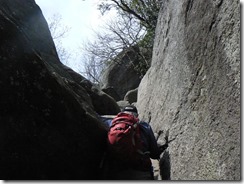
x=155, y=164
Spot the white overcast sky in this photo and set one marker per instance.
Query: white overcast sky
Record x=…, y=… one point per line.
x=81, y=16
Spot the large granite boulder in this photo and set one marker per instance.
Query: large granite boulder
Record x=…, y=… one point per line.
x=131, y=96
x=49, y=123
x=100, y=101
x=193, y=89
x=121, y=76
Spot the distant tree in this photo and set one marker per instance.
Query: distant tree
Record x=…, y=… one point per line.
x=92, y=70
x=146, y=11
x=134, y=26
x=116, y=36
x=58, y=32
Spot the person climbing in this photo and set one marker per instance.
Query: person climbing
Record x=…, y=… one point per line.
x=131, y=160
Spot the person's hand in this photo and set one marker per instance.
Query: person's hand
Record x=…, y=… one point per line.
x=162, y=148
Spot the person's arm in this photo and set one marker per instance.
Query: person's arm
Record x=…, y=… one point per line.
x=106, y=121
x=153, y=146
x=162, y=148
x=155, y=152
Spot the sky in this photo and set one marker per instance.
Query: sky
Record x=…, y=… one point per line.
x=82, y=17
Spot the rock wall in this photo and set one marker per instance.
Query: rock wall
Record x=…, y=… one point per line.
x=193, y=89
x=49, y=127
x=120, y=76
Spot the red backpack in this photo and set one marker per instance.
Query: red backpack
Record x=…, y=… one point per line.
x=124, y=141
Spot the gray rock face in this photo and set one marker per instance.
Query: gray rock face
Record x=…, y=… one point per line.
x=120, y=76
x=100, y=101
x=193, y=88
x=49, y=127
x=131, y=96
x=122, y=104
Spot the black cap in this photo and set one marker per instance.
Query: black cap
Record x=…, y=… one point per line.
x=130, y=108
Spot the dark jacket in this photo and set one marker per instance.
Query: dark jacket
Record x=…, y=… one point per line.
x=149, y=140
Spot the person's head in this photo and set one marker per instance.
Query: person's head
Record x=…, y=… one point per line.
x=130, y=109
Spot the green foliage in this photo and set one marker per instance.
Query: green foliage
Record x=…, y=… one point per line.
x=141, y=68
x=134, y=27
x=148, y=40
x=146, y=11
